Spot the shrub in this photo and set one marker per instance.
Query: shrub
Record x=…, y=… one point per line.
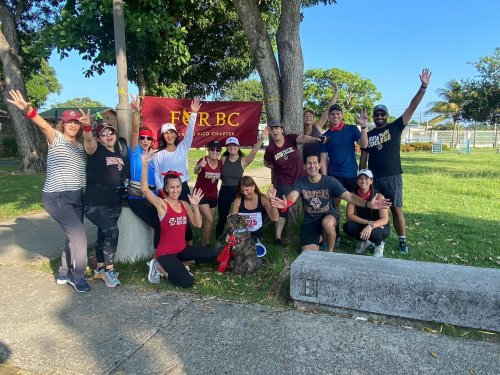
x=9, y=147
x=419, y=146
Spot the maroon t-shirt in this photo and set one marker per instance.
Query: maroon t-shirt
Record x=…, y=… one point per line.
x=208, y=179
x=286, y=161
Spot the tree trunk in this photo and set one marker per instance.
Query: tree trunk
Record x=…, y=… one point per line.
x=255, y=31
x=141, y=82
x=31, y=158
x=291, y=66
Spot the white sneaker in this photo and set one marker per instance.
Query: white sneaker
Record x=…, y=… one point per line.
x=379, y=250
x=154, y=275
x=361, y=247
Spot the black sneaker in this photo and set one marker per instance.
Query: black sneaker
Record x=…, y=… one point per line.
x=337, y=241
x=403, y=248
x=80, y=285
x=278, y=242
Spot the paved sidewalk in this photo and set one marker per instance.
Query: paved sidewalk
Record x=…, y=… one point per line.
x=48, y=328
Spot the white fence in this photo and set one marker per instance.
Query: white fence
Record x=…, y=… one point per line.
x=478, y=138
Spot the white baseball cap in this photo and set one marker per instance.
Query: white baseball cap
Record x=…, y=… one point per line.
x=232, y=140
x=366, y=172
x=168, y=126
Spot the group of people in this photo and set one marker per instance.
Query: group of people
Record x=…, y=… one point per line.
x=86, y=180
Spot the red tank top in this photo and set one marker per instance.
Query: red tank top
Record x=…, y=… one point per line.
x=173, y=231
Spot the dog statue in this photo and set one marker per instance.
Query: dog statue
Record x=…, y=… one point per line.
x=244, y=251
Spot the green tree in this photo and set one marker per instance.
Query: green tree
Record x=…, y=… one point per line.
x=355, y=92
x=245, y=91
x=42, y=83
x=174, y=48
x=451, y=107
x=482, y=94
x=84, y=102
x=21, y=54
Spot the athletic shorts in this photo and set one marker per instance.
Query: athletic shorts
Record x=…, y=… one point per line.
x=211, y=202
x=280, y=191
x=391, y=187
x=349, y=183
x=311, y=231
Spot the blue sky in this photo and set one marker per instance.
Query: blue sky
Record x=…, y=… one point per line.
x=387, y=41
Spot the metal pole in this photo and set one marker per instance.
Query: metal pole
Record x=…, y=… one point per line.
x=123, y=112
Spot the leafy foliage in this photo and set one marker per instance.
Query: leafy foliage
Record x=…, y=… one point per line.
x=84, y=102
x=42, y=83
x=355, y=92
x=195, y=46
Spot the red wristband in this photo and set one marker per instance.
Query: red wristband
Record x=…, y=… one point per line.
x=31, y=114
x=87, y=128
x=288, y=204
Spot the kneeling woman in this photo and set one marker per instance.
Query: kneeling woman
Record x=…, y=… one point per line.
x=369, y=226
x=172, y=254
x=254, y=206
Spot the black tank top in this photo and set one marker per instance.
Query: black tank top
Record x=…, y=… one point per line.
x=231, y=172
x=255, y=218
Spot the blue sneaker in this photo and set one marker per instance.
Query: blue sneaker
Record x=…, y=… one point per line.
x=110, y=278
x=403, y=248
x=62, y=279
x=80, y=285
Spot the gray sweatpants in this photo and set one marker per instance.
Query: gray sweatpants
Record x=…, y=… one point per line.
x=66, y=207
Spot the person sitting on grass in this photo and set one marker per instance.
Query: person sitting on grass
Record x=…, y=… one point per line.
x=173, y=255
x=369, y=226
x=62, y=193
x=254, y=206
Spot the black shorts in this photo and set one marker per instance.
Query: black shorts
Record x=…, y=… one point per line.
x=391, y=187
x=280, y=191
x=211, y=202
x=311, y=231
x=349, y=183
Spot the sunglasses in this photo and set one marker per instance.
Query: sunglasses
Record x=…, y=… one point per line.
x=379, y=114
x=143, y=137
x=107, y=133
x=216, y=149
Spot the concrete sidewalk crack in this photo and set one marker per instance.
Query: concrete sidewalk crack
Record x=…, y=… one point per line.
x=176, y=313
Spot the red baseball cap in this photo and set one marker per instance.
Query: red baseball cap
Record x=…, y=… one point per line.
x=70, y=115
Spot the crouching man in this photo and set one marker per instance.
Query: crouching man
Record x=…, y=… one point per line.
x=318, y=193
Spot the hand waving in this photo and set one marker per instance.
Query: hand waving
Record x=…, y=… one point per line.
x=271, y=192
x=195, y=105
x=18, y=100
x=425, y=77
x=379, y=202
x=196, y=197
x=362, y=118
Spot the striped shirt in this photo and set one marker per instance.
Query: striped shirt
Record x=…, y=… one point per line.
x=65, y=166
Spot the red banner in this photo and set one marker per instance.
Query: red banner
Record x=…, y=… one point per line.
x=216, y=120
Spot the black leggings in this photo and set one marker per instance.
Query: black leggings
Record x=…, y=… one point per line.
x=147, y=213
x=226, y=198
x=378, y=234
x=177, y=272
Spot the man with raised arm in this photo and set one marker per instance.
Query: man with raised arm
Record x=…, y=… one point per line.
x=385, y=160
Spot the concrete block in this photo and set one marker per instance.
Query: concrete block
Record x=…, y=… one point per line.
x=136, y=238
x=444, y=293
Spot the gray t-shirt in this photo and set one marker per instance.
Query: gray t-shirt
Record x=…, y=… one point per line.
x=317, y=198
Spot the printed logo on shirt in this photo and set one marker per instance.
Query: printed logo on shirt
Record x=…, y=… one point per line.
x=284, y=154
x=212, y=176
x=112, y=160
x=379, y=139
x=180, y=220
